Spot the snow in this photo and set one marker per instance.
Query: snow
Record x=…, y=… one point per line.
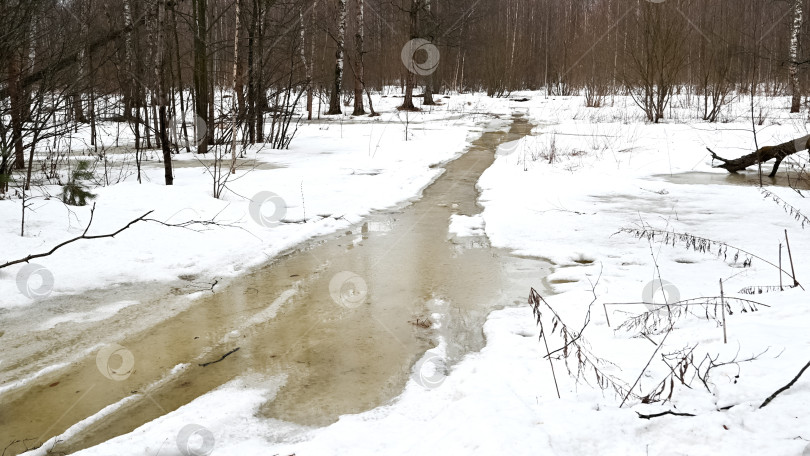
x=97, y=314
x=336, y=172
x=463, y=225
x=562, y=194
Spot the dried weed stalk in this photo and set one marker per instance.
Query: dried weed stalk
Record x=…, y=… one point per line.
x=659, y=320
x=794, y=212
x=588, y=366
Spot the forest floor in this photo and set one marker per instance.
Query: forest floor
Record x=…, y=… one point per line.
x=563, y=194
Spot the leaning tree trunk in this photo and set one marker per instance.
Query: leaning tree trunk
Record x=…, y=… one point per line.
x=794, y=56
x=764, y=154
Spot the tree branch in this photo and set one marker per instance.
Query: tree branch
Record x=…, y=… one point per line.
x=656, y=415
x=786, y=387
x=762, y=155
x=85, y=236
x=77, y=238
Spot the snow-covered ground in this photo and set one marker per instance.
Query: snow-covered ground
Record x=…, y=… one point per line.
x=336, y=171
x=562, y=194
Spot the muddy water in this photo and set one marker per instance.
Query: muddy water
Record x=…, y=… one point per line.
x=343, y=351
x=745, y=178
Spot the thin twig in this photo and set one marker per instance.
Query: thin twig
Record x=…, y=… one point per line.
x=668, y=412
x=790, y=256
x=545, y=341
x=786, y=387
x=723, y=308
x=220, y=359
x=85, y=236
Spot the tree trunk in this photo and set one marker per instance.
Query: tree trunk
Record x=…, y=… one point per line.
x=311, y=67
x=794, y=56
x=16, y=111
x=427, y=98
x=410, y=79
x=261, y=93
x=78, y=109
x=334, y=101
x=180, y=87
x=201, y=86
x=236, y=89
x=250, y=114
x=359, y=69
x=129, y=54
x=764, y=154
x=307, y=64
x=160, y=91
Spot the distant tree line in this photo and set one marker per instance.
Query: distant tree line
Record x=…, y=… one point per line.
x=233, y=69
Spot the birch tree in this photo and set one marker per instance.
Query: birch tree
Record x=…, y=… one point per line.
x=794, y=56
x=334, y=101
x=129, y=66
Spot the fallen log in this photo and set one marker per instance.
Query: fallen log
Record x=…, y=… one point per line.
x=762, y=155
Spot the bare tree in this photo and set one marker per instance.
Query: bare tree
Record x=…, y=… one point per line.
x=656, y=60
